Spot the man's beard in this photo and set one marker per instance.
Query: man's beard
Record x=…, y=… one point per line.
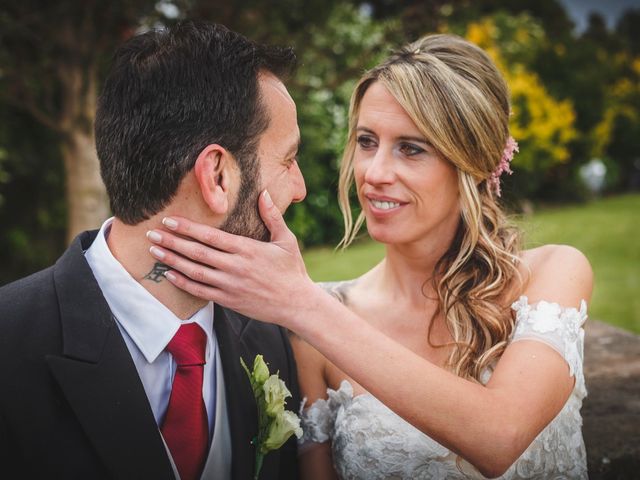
x=245, y=219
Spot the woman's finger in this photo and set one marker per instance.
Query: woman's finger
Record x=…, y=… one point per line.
x=211, y=236
x=195, y=271
x=272, y=218
x=196, y=289
x=194, y=250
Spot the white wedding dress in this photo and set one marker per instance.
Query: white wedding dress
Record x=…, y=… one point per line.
x=369, y=441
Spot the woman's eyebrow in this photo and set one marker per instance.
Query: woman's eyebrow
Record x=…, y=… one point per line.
x=402, y=138
x=414, y=139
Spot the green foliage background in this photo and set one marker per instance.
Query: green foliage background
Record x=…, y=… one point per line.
x=576, y=96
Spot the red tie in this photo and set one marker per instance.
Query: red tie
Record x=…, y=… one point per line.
x=185, y=428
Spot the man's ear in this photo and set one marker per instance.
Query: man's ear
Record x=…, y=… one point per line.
x=213, y=169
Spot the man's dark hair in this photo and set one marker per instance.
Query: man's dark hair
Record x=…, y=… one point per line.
x=169, y=94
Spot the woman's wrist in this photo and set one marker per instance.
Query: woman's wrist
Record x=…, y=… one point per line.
x=319, y=316
x=305, y=298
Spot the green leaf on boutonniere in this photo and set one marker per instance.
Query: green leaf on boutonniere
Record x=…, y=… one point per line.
x=275, y=424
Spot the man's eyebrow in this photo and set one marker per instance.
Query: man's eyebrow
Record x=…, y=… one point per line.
x=293, y=149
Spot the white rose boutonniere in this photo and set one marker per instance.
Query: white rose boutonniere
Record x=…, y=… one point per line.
x=275, y=424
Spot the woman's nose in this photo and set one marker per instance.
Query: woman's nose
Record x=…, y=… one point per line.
x=380, y=168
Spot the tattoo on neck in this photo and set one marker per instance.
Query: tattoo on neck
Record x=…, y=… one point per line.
x=157, y=272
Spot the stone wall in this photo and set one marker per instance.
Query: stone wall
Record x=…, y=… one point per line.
x=611, y=411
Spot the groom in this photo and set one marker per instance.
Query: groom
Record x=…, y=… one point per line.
x=106, y=369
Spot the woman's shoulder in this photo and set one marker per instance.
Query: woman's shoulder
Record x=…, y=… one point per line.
x=557, y=273
x=546, y=255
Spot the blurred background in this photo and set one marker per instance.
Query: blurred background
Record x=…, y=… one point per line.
x=573, y=68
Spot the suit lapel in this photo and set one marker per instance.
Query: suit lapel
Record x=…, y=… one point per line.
x=98, y=376
x=241, y=405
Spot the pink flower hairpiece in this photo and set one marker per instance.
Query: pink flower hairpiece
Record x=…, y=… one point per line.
x=507, y=155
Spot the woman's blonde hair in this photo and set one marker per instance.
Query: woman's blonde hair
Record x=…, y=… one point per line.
x=459, y=101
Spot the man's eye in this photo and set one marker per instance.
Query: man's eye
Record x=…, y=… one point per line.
x=365, y=141
x=409, y=150
x=289, y=163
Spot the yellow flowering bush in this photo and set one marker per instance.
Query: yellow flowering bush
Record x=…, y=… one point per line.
x=542, y=125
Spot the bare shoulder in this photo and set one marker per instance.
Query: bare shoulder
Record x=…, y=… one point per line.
x=558, y=273
x=552, y=259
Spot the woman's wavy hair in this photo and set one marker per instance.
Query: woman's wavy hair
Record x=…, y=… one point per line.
x=459, y=101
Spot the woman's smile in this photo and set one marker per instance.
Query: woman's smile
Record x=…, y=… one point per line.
x=382, y=206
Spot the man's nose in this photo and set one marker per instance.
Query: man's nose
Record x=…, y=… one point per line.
x=299, y=188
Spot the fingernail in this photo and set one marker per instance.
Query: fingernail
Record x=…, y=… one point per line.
x=267, y=199
x=170, y=223
x=156, y=252
x=170, y=276
x=154, y=236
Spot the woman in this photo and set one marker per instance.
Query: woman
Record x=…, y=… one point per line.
x=459, y=355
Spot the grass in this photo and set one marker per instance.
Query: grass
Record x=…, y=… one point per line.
x=607, y=231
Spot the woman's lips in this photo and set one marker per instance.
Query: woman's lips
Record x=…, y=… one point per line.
x=384, y=205
x=380, y=206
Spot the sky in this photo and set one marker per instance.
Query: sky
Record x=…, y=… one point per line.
x=610, y=9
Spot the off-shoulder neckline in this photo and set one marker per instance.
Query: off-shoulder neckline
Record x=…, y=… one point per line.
x=523, y=301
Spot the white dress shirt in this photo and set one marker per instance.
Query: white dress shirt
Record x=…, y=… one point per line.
x=147, y=327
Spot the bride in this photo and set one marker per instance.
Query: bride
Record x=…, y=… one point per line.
x=459, y=355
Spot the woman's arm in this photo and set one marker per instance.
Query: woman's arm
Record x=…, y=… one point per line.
x=488, y=426
x=315, y=458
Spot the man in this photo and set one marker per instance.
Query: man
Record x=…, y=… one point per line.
x=106, y=369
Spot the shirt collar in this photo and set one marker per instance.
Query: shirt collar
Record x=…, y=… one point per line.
x=149, y=323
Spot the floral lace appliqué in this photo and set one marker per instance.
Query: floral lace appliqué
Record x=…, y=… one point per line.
x=318, y=419
x=559, y=327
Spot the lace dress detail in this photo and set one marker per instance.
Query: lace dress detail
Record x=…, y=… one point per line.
x=369, y=441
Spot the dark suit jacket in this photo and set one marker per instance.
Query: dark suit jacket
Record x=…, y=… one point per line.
x=71, y=403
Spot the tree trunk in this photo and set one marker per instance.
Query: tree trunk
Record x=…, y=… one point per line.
x=87, y=200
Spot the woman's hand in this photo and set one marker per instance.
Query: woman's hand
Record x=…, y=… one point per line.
x=267, y=281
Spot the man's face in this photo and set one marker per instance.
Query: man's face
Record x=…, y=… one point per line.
x=278, y=170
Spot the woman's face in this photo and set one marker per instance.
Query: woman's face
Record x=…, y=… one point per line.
x=407, y=191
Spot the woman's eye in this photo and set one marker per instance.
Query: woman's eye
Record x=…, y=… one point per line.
x=410, y=150
x=365, y=141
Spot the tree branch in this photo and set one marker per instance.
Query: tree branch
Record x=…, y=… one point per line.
x=40, y=115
